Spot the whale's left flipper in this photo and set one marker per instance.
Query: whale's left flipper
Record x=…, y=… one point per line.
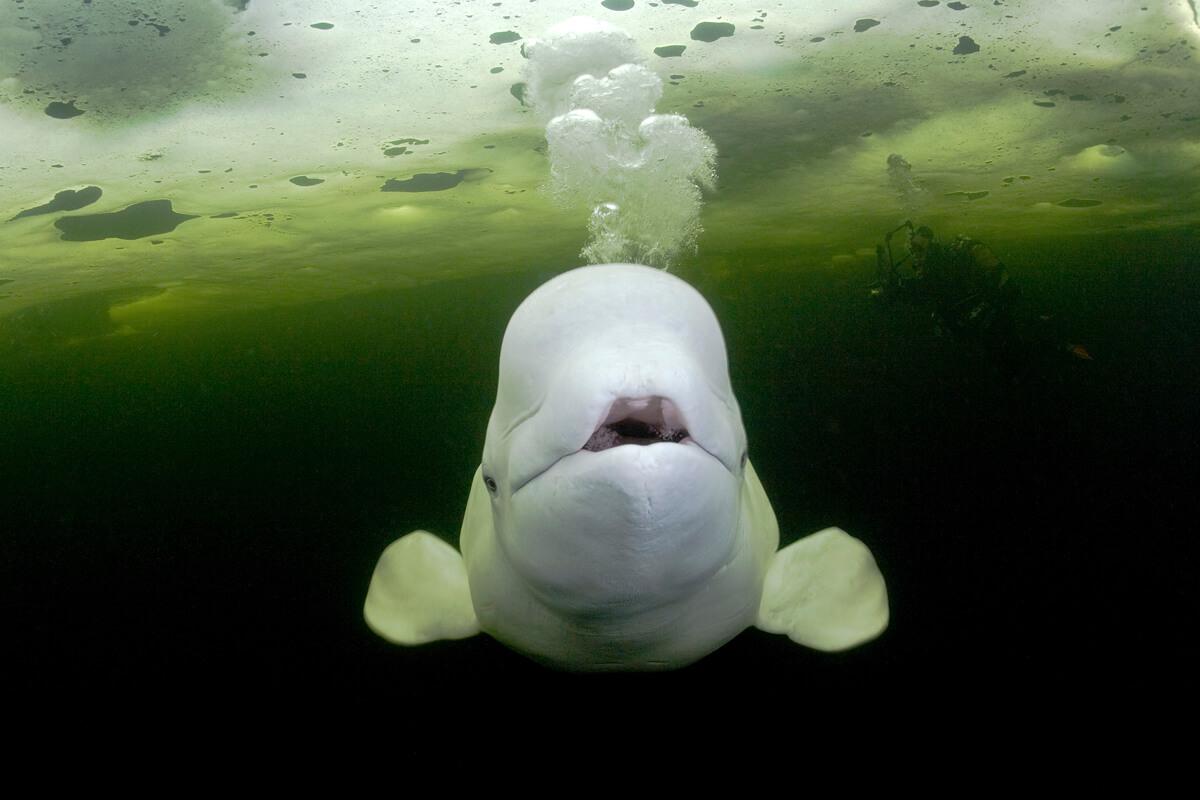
x=824, y=592
x=419, y=592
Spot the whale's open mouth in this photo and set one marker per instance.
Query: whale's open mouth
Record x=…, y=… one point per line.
x=638, y=420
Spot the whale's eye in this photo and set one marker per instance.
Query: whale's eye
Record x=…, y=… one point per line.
x=490, y=483
x=745, y=457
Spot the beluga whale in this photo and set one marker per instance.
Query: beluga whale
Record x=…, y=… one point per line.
x=615, y=521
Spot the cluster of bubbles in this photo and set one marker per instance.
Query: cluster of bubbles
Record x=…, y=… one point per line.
x=913, y=196
x=638, y=174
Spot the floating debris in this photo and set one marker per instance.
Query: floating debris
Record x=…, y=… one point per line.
x=400, y=146
x=968, y=195
x=63, y=110
x=304, y=180
x=135, y=222
x=321, y=26
x=965, y=46
x=1076, y=202
x=504, y=37
x=670, y=50
x=617, y=5
x=66, y=200
x=429, y=181
x=865, y=24
x=711, y=31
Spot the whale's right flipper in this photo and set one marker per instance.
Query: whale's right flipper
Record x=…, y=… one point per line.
x=824, y=592
x=419, y=592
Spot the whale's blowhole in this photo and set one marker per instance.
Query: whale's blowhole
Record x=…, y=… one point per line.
x=639, y=421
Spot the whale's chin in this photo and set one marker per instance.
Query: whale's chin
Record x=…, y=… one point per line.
x=630, y=526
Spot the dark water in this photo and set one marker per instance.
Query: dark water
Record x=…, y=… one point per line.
x=195, y=513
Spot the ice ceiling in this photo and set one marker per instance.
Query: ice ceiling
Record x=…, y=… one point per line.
x=198, y=154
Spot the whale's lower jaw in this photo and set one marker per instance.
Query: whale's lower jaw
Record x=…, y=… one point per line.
x=622, y=531
x=588, y=630
x=669, y=636
x=620, y=653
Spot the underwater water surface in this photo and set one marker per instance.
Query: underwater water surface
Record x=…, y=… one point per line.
x=250, y=323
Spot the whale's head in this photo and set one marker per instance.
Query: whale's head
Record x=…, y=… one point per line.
x=615, y=453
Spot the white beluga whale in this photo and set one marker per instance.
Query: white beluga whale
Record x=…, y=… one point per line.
x=615, y=522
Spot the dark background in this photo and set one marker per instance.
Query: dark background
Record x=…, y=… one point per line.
x=194, y=513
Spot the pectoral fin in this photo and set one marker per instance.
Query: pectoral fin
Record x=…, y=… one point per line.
x=419, y=592
x=824, y=592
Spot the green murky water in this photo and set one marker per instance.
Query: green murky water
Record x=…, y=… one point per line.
x=209, y=501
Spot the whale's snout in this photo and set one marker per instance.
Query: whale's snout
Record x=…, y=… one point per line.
x=644, y=383
x=639, y=421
